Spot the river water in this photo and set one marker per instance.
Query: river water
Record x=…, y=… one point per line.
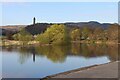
x=41, y=61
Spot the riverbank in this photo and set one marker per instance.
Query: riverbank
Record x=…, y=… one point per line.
x=16, y=43
x=19, y=43
x=107, y=70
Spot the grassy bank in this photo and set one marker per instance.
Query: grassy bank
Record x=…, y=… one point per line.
x=20, y=43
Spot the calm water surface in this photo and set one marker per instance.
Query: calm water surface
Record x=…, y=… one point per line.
x=41, y=61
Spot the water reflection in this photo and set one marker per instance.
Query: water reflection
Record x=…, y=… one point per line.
x=58, y=54
x=53, y=53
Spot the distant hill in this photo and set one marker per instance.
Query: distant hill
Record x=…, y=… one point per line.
x=10, y=29
x=41, y=27
x=92, y=24
x=37, y=28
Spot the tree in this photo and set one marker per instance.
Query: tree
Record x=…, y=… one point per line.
x=16, y=36
x=99, y=33
x=76, y=35
x=9, y=35
x=113, y=32
x=43, y=38
x=23, y=36
x=55, y=34
x=85, y=32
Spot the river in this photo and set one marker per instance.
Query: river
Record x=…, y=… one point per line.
x=41, y=61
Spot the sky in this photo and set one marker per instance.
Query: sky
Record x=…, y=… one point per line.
x=14, y=13
x=59, y=0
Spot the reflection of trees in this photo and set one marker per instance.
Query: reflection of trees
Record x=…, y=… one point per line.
x=8, y=48
x=95, y=50
x=75, y=48
x=113, y=52
x=24, y=54
x=92, y=50
x=59, y=53
x=54, y=53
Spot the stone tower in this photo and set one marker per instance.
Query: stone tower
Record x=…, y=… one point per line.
x=34, y=20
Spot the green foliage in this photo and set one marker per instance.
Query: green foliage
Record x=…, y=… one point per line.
x=43, y=38
x=56, y=34
x=75, y=35
x=85, y=32
x=16, y=36
x=23, y=36
x=61, y=35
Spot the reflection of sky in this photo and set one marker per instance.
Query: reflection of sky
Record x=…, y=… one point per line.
x=43, y=66
x=22, y=13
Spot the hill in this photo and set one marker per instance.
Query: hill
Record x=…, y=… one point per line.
x=41, y=27
x=10, y=29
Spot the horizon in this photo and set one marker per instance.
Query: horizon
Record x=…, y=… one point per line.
x=58, y=12
x=56, y=23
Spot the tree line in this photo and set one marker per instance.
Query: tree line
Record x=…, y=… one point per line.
x=60, y=34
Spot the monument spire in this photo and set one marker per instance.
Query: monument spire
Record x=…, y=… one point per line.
x=34, y=21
